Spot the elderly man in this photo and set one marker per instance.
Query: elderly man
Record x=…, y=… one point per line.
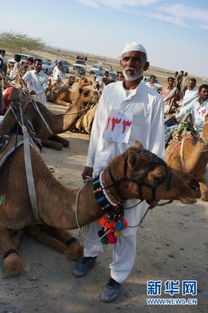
x=128, y=100
x=190, y=93
x=198, y=108
x=37, y=82
x=59, y=72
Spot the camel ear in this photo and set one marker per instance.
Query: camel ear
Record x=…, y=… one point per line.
x=138, y=145
x=132, y=159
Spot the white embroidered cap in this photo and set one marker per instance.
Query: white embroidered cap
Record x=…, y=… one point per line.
x=134, y=46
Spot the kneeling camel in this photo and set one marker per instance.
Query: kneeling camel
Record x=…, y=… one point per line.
x=136, y=173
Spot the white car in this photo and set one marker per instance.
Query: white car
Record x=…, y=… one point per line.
x=96, y=68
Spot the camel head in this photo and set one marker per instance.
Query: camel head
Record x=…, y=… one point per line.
x=71, y=81
x=87, y=96
x=138, y=173
x=83, y=81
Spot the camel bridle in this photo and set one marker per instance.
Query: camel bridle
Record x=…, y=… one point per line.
x=153, y=160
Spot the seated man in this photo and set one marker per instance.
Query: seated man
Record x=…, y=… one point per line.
x=198, y=108
x=190, y=93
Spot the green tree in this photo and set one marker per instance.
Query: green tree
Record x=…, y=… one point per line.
x=17, y=42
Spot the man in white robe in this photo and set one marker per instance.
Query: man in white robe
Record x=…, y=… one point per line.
x=144, y=108
x=37, y=82
x=191, y=92
x=59, y=72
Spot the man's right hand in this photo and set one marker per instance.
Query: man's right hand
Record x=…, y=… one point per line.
x=87, y=171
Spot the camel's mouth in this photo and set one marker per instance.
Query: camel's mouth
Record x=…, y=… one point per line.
x=187, y=200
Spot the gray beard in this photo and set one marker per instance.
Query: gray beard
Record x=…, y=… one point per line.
x=135, y=76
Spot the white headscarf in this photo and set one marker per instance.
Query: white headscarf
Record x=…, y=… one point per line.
x=134, y=46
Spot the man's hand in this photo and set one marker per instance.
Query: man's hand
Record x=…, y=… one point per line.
x=87, y=171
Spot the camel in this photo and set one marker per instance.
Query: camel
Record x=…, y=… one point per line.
x=190, y=154
x=63, y=95
x=84, y=123
x=137, y=173
x=49, y=125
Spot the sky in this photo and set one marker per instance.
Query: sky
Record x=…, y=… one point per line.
x=174, y=32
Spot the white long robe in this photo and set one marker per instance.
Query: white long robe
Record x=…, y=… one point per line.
x=147, y=108
x=37, y=82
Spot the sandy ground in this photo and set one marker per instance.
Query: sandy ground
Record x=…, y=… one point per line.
x=172, y=245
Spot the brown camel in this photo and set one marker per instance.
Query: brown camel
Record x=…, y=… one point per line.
x=84, y=123
x=134, y=174
x=49, y=125
x=191, y=156
x=63, y=95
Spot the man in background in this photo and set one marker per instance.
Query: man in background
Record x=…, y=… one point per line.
x=37, y=82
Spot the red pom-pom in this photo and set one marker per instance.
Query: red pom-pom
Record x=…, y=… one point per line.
x=125, y=223
x=110, y=225
x=103, y=221
x=111, y=238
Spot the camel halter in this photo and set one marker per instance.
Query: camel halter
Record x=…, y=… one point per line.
x=110, y=205
x=153, y=160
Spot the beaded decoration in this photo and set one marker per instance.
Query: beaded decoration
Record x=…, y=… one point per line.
x=114, y=222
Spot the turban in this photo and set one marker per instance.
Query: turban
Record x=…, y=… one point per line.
x=133, y=46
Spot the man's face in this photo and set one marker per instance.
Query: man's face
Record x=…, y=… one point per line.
x=38, y=66
x=133, y=63
x=204, y=94
x=171, y=82
x=191, y=84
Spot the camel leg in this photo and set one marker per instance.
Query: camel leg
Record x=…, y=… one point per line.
x=57, y=239
x=51, y=144
x=204, y=190
x=9, y=242
x=64, y=142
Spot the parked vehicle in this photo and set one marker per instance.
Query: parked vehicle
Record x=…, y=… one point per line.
x=65, y=63
x=24, y=58
x=96, y=68
x=47, y=65
x=79, y=64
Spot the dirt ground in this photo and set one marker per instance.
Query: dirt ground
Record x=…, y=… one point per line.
x=172, y=245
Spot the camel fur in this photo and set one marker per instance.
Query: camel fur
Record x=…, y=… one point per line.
x=56, y=202
x=191, y=156
x=84, y=123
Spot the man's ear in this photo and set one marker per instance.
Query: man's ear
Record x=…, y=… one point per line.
x=146, y=66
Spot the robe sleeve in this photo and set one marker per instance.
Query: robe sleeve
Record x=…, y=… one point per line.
x=157, y=134
x=95, y=133
x=186, y=109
